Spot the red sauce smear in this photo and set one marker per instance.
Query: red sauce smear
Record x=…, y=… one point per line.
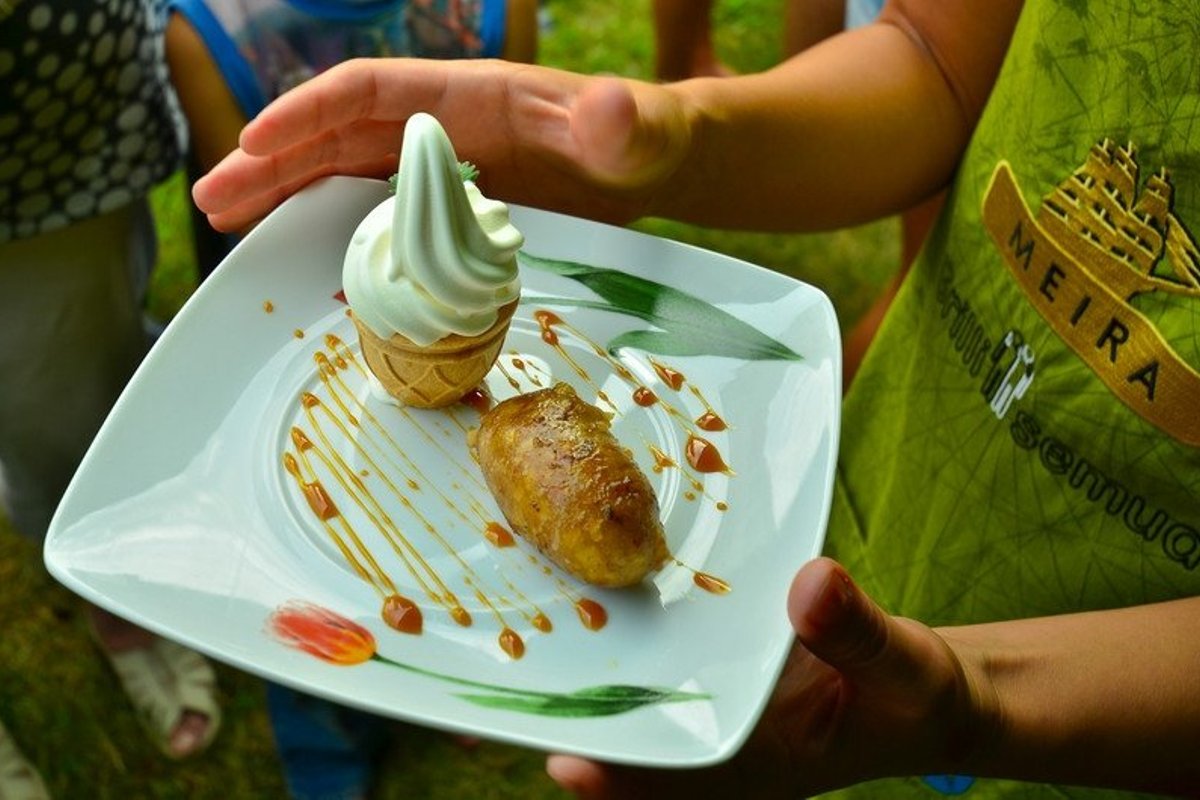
x=703, y=455
x=591, y=614
x=402, y=614
x=498, y=535
x=644, y=397
x=545, y=319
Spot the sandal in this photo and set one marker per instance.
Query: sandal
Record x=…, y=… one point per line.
x=165, y=680
x=18, y=779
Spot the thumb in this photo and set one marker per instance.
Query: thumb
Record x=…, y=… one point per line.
x=839, y=624
x=629, y=135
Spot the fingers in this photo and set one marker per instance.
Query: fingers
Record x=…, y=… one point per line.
x=835, y=620
x=243, y=188
x=839, y=624
x=593, y=781
x=384, y=90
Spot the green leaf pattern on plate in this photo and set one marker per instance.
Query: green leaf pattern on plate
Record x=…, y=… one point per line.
x=687, y=325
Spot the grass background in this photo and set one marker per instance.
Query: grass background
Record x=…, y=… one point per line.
x=57, y=696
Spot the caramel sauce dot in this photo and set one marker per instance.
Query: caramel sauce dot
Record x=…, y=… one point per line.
x=512, y=643
x=477, y=400
x=703, y=455
x=591, y=614
x=709, y=421
x=542, y=623
x=319, y=501
x=711, y=583
x=461, y=616
x=644, y=397
x=402, y=614
x=498, y=535
x=671, y=377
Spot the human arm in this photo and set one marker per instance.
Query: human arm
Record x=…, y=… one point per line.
x=1106, y=698
x=862, y=125
x=683, y=45
x=213, y=116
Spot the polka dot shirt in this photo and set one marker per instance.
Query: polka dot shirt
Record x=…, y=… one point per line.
x=88, y=121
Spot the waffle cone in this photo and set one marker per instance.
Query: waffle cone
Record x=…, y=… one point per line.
x=435, y=375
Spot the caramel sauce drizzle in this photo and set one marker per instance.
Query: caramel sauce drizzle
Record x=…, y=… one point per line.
x=706, y=581
x=701, y=454
x=661, y=460
x=350, y=409
x=709, y=420
x=512, y=382
x=398, y=611
x=268, y=306
x=546, y=320
x=668, y=375
x=457, y=612
x=532, y=374
x=429, y=581
x=375, y=576
x=711, y=583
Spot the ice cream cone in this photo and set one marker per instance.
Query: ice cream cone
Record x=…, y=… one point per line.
x=435, y=375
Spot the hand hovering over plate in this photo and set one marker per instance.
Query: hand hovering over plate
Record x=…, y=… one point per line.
x=862, y=695
x=594, y=147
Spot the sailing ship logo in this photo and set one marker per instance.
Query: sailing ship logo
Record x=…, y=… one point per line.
x=1095, y=245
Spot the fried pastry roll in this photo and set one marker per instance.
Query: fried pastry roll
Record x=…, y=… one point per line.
x=565, y=484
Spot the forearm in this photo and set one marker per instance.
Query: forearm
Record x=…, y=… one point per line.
x=864, y=124
x=1106, y=698
x=214, y=119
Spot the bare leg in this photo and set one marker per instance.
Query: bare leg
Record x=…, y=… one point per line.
x=117, y=635
x=683, y=40
x=521, y=31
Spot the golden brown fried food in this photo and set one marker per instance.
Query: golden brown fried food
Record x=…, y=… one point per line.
x=564, y=483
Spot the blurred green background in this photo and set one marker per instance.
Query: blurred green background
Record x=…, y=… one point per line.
x=59, y=699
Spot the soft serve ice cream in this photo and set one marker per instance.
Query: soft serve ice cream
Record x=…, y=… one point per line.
x=431, y=276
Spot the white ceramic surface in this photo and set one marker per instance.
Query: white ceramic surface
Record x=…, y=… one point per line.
x=184, y=519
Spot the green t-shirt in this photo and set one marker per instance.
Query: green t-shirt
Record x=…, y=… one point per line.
x=1024, y=435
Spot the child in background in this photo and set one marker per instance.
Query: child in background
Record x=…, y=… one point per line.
x=229, y=58
x=88, y=126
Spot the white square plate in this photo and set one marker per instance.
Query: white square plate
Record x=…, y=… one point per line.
x=185, y=518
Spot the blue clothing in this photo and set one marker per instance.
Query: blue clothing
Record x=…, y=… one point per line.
x=266, y=47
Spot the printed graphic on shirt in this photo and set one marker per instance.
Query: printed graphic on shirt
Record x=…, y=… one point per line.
x=1094, y=247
